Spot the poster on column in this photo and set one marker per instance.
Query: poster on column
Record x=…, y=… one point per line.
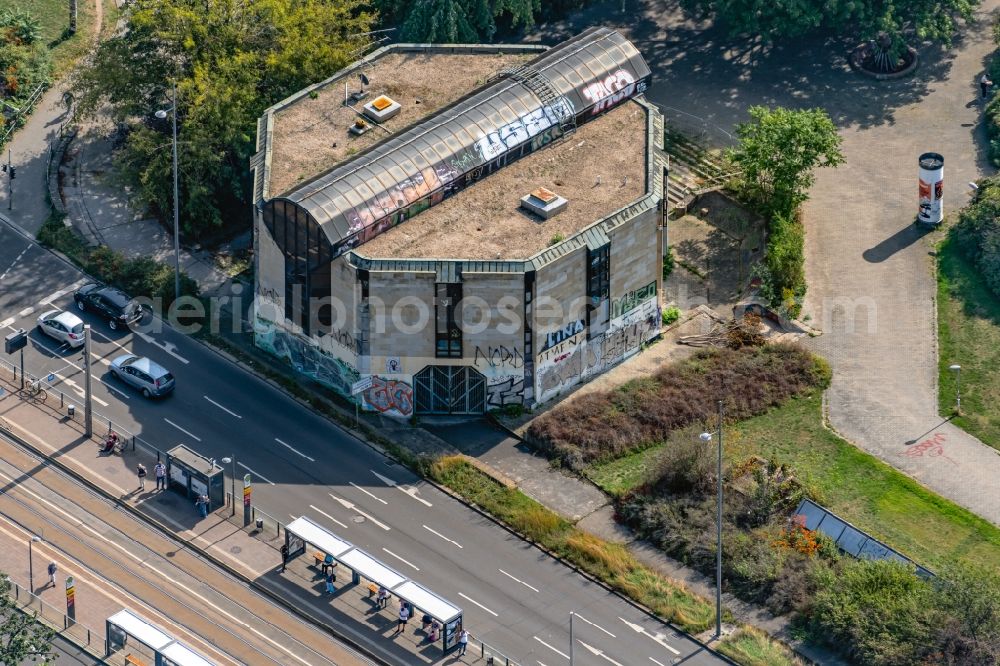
x=931, y=189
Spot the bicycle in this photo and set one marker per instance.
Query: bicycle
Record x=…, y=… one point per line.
x=34, y=391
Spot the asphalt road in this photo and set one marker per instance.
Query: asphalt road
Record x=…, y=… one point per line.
x=515, y=598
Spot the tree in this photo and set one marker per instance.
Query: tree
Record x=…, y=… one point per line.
x=778, y=151
x=230, y=60
x=468, y=21
x=22, y=637
x=928, y=19
x=968, y=601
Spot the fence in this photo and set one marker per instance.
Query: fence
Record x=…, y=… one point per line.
x=79, y=634
x=15, y=120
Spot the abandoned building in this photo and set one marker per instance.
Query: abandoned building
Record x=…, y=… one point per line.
x=453, y=229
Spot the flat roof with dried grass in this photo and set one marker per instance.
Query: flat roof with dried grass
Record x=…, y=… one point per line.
x=598, y=169
x=311, y=135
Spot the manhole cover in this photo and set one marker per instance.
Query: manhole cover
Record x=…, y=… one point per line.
x=235, y=550
x=358, y=519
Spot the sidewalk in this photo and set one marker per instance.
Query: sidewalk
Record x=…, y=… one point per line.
x=245, y=552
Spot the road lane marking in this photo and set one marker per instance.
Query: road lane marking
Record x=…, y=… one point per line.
x=559, y=652
x=470, y=599
x=595, y=625
x=657, y=662
x=69, y=363
x=406, y=490
x=228, y=411
x=294, y=450
x=168, y=347
x=658, y=637
x=519, y=581
x=415, y=567
x=6, y=323
x=599, y=653
x=350, y=505
x=80, y=391
x=324, y=513
x=256, y=473
x=189, y=434
x=16, y=259
x=368, y=493
x=163, y=575
x=26, y=312
x=62, y=292
x=442, y=536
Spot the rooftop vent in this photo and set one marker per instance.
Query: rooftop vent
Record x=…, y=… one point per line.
x=543, y=202
x=382, y=108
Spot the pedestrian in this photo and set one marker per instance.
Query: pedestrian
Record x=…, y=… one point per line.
x=433, y=636
x=328, y=563
x=52, y=573
x=463, y=642
x=160, y=471
x=404, y=616
x=202, y=504
x=425, y=622
x=383, y=597
x=330, y=578
x=140, y=470
x=984, y=84
x=284, y=556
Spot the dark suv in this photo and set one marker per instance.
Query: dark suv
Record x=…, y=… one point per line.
x=113, y=304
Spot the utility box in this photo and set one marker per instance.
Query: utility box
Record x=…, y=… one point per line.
x=194, y=475
x=15, y=341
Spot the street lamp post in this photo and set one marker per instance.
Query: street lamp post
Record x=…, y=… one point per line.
x=227, y=460
x=707, y=437
x=31, y=569
x=162, y=114
x=957, y=369
x=571, y=641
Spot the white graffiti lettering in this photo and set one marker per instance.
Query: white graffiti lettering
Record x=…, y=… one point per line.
x=605, y=94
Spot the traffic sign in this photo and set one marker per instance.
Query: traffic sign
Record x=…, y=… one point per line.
x=51, y=378
x=361, y=385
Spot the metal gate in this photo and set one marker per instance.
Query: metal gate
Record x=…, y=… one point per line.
x=449, y=389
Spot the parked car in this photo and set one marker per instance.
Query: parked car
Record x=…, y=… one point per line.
x=115, y=305
x=65, y=327
x=151, y=378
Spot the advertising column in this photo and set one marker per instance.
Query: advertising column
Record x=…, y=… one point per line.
x=931, y=188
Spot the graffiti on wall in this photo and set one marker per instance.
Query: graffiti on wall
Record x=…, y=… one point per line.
x=498, y=357
x=609, y=91
x=389, y=396
x=503, y=368
x=632, y=300
x=568, y=331
x=306, y=358
x=509, y=136
x=574, y=359
x=503, y=392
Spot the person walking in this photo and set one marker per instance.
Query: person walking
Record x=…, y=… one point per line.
x=463, y=642
x=330, y=578
x=284, y=556
x=160, y=472
x=984, y=84
x=404, y=616
x=140, y=471
x=52, y=573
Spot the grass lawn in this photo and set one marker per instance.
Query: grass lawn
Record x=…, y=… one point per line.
x=851, y=483
x=969, y=335
x=53, y=15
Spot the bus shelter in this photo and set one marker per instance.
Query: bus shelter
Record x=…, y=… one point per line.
x=303, y=531
x=147, y=644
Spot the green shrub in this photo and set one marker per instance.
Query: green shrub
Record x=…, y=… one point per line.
x=786, y=264
x=670, y=315
x=668, y=263
x=977, y=232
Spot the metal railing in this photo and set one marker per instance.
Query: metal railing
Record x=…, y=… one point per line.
x=22, y=112
x=77, y=633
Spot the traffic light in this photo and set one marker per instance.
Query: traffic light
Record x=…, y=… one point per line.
x=12, y=172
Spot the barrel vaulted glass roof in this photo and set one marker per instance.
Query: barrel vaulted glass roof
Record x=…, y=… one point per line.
x=568, y=84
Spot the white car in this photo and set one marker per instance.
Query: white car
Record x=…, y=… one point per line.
x=65, y=327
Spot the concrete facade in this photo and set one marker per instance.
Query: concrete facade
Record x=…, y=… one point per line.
x=521, y=332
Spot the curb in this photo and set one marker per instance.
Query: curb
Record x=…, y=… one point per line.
x=172, y=536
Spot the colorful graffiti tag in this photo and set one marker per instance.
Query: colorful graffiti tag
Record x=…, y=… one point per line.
x=389, y=396
x=632, y=300
x=513, y=134
x=611, y=90
x=306, y=357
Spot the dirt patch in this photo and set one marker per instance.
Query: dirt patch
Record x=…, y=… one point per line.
x=311, y=134
x=715, y=246
x=599, y=169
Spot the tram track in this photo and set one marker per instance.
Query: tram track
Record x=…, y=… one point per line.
x=96, y=537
